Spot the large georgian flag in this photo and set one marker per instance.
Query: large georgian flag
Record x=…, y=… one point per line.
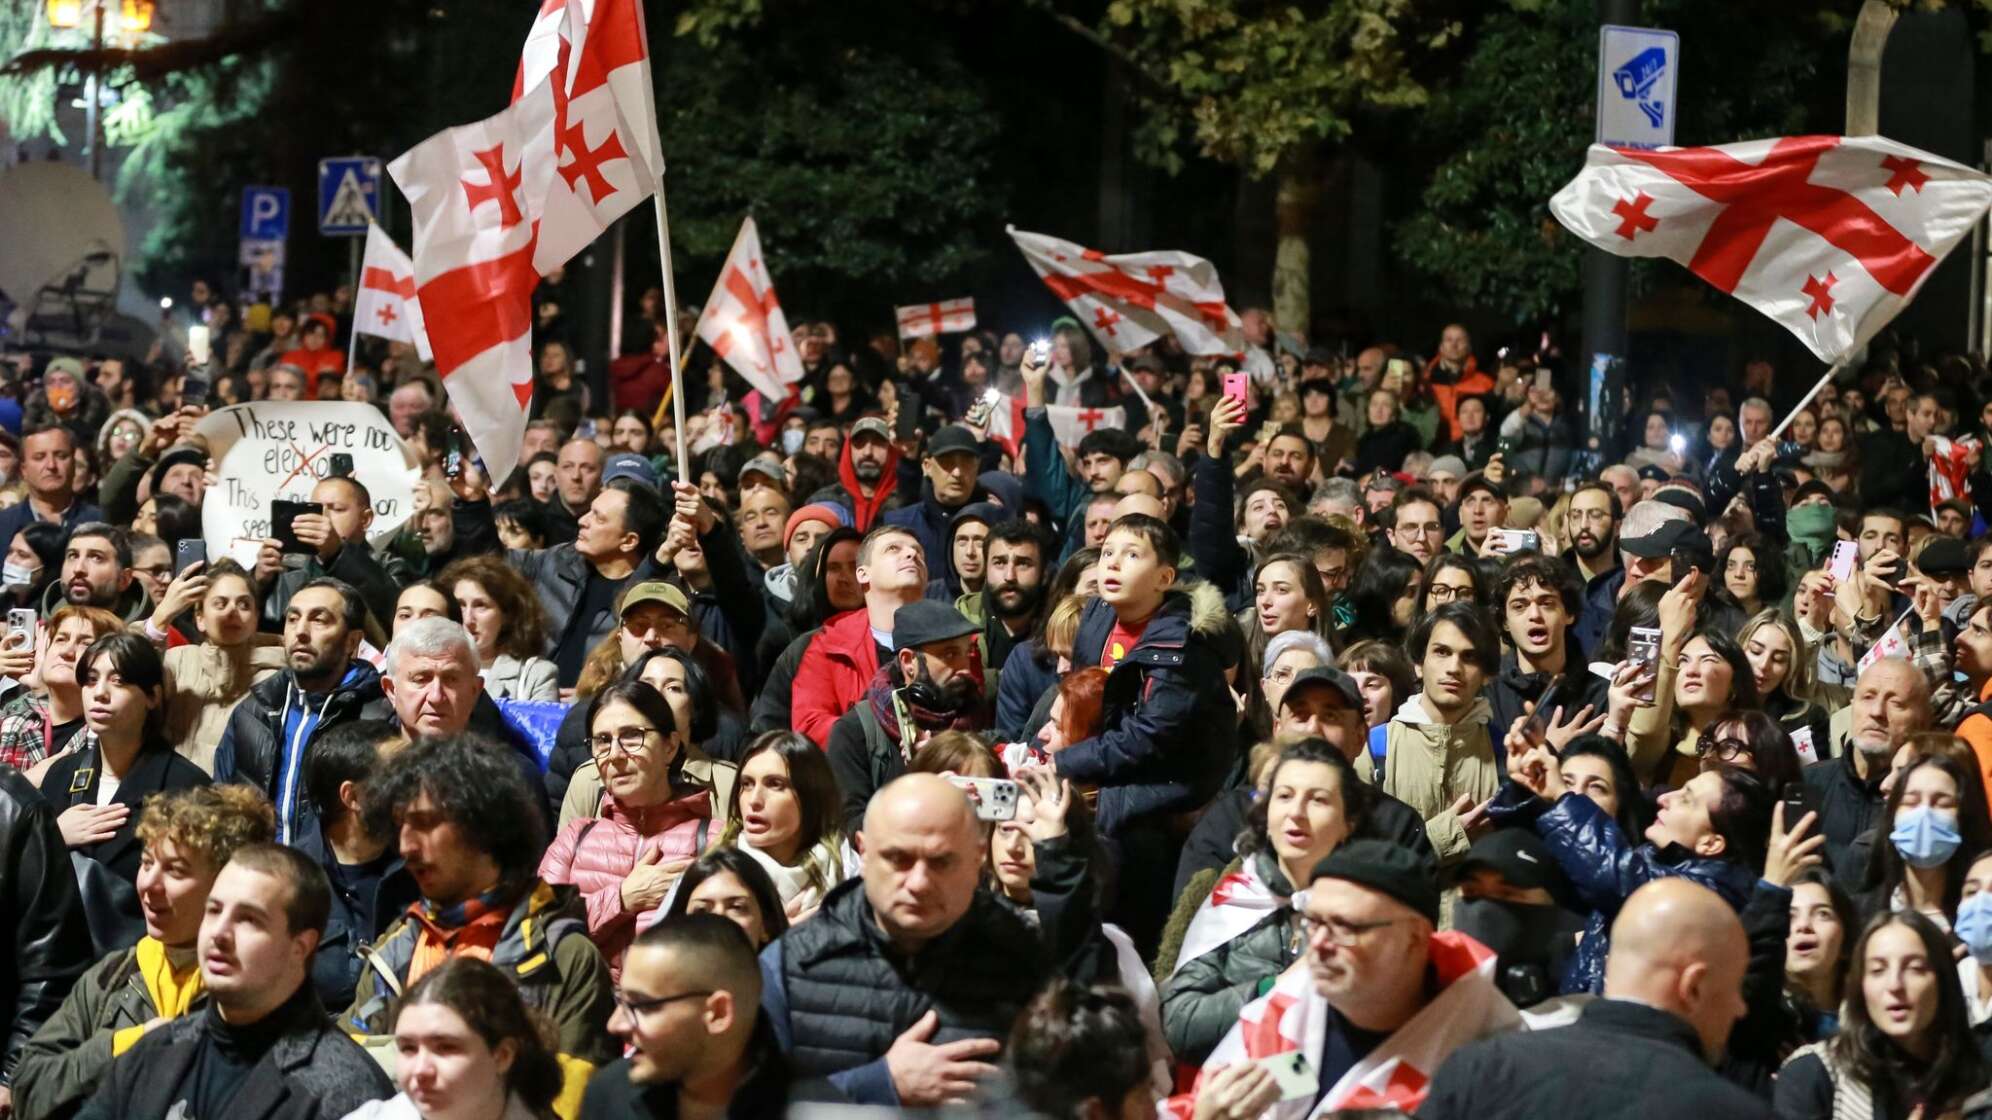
x=385, y=305
x=923, y=320
x=1831, y=236
x=1131, y=299
x=743, y=321
x=500, y=203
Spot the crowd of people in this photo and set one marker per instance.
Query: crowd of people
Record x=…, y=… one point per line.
x=1365, y=738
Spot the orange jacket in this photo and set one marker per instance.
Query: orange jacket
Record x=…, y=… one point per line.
x=1471, y=383
x=1976, y=729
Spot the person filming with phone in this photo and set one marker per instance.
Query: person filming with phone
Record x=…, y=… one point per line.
x=331, y=538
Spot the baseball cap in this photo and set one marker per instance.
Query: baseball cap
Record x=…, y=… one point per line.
x=1343, y=684
x=1809, y=488
x=871, y=426
x=628, y=464
x=1517, y=855
x=654, y=591
x=1656, y=473
x=1663, y=540
x=926, y=621
x=951, y=439
x=70, y=366
x=1944, y=556
x=1478, y=480
x=763, y=465
x=1387, y=869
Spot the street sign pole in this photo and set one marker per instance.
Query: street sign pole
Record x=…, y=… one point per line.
x=1637, y=72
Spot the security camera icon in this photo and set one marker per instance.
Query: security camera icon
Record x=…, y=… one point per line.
x=1637, y=79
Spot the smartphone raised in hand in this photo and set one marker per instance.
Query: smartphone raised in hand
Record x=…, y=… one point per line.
x=283, y=527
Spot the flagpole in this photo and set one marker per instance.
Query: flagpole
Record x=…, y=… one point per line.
x=671, y=324
x=1806, y=400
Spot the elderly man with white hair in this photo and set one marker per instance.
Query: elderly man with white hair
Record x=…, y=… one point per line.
x=431, y=680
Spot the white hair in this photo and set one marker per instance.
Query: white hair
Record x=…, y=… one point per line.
x=434, y=636
x=1286, y=641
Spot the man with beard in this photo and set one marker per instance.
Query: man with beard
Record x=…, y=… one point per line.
x=1891, y=703
x=320, y=687
x=868, y=471
x=96, y=572
x=932, y=684
x=1290, y=460
x=1593, y=519
x=1006, y=609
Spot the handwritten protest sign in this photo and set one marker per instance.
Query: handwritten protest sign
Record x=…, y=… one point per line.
x=273, y=450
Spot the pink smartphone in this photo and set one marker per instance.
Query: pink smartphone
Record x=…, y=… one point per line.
x=1234, y=386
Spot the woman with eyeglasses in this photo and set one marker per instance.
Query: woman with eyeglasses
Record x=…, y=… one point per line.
x=1221, y=949
x=1937, y=827
x=734, y=885
x=1904, y=1047
x=706, y=727
x=1750, y=741
x=1451, y=578
x=655, y=817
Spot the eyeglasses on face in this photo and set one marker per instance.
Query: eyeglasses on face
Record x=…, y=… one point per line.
x=1339, y=932
x=1726, y=749
x=646, y=1005
x=631, y=741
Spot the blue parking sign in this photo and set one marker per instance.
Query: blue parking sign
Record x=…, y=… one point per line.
x=348, y=195
x=265, y=213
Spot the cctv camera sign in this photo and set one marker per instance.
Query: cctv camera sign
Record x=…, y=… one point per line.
x=1637, y=72
x=279, y=450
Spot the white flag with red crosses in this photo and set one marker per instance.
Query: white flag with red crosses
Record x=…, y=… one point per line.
x=923, y=320
x=1131, y=299
x=385, y=305
x=743, y=321
x=1892, y=643
x=499, y=203
x=1069, y=423
x=1829, y=235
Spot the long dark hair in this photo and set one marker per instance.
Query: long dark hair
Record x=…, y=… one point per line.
x=720, y=861
x=816, y=792
x=1771, y=754
x=1849, y=917
x=651, y=705
x=489, y=1003
x=1955, y=1072
x=1077, y=1044
x=1886, y=868
x=698, y=688
x=1380, y=581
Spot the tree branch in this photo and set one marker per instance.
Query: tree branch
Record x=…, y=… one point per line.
x=173, y=57
x=1155, y=87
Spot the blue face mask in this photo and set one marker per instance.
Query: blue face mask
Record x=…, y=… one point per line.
x=1925, y=837
x=1974, y=926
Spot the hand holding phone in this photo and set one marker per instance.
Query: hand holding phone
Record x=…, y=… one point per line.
x=1234, y=386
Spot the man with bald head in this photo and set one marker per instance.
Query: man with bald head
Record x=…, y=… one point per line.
x=1891, y=702
x=1673, y=990
x=901, y=987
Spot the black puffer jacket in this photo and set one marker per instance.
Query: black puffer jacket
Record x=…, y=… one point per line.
x=248, y=748
x=837, y=994
x=38, y=901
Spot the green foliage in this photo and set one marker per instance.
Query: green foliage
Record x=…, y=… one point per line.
x=1516, y=120
x=1252, y=83
x=861, y=145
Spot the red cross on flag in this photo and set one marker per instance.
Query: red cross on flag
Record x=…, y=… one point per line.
x=1130, y=299
x=1831, y=236
x=501, y=202
x=386, y=306
x=950, y=316
x=743, y=321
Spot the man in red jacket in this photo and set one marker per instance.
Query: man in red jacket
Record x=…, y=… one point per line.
x=868, y=470
x=844, y=656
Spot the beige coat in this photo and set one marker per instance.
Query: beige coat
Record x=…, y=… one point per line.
x=203, y=684
x=1429, y=765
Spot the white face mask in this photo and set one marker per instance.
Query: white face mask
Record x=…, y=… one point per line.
x=15, y=575
x=792, y=440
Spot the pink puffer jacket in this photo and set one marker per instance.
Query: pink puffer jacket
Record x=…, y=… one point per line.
x=596, y=853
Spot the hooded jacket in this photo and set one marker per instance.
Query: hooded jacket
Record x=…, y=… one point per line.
x=1168, y=723
x=1605, y=866
x=1428, y=765
x=866, y=511
x=132, y=604
x=934, y=524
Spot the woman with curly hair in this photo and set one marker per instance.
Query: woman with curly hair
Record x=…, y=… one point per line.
x=188, y=836
x=506, y=622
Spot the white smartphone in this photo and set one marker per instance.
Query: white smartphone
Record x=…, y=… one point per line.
x=20, y=628
x=1643, y=645
x=1293, y=1073
x=1845, y=553
x=995, y=799
x=198, y=350
x=1518, y=540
